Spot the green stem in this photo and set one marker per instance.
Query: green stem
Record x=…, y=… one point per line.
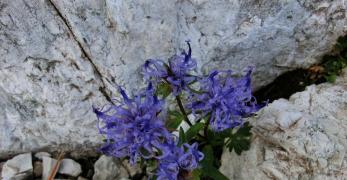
x=186, y=119
x=206, y=126
x=180, y=105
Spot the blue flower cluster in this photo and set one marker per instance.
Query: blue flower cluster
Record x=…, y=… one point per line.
x=226, y=98
x=176, y=73
x=177, y=159
x=134, y=129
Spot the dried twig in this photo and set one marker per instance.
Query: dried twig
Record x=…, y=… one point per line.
x=56, y=166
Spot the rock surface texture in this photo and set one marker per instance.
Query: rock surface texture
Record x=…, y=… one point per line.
x=59, y=57
x=304, y=137
x=109, y=168
x=18, y=168
x=67, y=166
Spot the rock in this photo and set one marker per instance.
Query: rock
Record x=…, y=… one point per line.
x=109, y=168
x=274, y=36
x=81, y=178
x=39, y=155
x=47, y=84
x=19, y=167
x=67, y=167
x=38, y=168
x=300, y=138
x=1, y=165
x=48, y=164
x=60, y=57
x=70, y=167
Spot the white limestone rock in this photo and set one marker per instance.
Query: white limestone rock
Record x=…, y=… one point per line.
x=48, y=164
x=19, y=167
x=47, y=85
x=40, y=155
x=81, y=178
x=300, y=138
x=60, y=57
x=67, y=166
x=70, y=167
x=275, y=36
x=109, y=168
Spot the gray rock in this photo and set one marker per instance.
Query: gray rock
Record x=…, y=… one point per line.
x=18, y=168
x=47, y=85
x=67, y=167
x=300, y=138
x=81, y=178
x=70, y=167
x=1, y=165
x=274, y=36
x=109, y=168
x=48, y=164
x=39, y=155
x=58, y=58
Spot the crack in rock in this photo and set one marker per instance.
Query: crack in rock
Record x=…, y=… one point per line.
x=98, y=74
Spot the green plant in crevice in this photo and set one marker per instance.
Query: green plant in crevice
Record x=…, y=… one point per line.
x=334, y=63
x=296, y=80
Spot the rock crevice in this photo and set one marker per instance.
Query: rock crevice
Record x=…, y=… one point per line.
x=102, y=88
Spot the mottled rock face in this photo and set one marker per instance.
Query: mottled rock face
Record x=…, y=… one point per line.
x=47, y=85
x=19, y=167
x=59, y=57
x=303, y=138
x=274, y=36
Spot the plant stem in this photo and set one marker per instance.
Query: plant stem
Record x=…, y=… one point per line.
x=206, y=126
x=186, y=119
x=180, y=105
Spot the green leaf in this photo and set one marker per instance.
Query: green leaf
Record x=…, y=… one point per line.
x=182, y=137
x=217, y=138
x=175, y=118
x=163, y=90
x=208, y=156
x=245, y=130
x=194, y=130
x=196, y=173
x=239, y=145
x=153, y=177
x=241, y=140
x=207, y=164
x=331, y=78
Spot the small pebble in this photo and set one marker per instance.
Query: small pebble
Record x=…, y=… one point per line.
x=70, y=167
x=81, y=178
x=39, y=155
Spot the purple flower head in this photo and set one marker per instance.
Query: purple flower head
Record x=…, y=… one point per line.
x=132, y=127
x=176, y=73
x=227, y=98
x=178, y=159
